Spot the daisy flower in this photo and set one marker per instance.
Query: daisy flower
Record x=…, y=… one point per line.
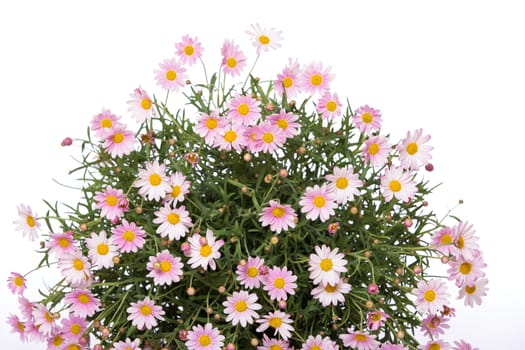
x=434, y=325
x=466, y=271
x=171, y=75
x=390, y=346
x=376, y=150
x=82, y=302
x=16, y=283
x=128, y=237
x=474, y=292
x=248, y=274
x=344, y=183
x=60, y=244
x=101, y=250
x=110, y=202
x=326, y=265
x=318, y=202
x=73, y=327
x=209, y=125
x=319, y=343
x=463, y=345
x=376, y=319
x=280, y=217
x=367, y=119
x=274, y=344
x=413, y=150
x=179, y=187
x=435, y=345
x=104, y=123
x=329, y=106
x=192, y=158
x=443, y=239
x=241, y=308
x=56, y=341
x=43, y=320
x=204, y=338
x=287, y=122
x=17, y=326
x=75, y=268
x=287, y=80
x=331, y=293
x=27, y=222
x=465, y=241
x=164, y=268
x=128, y=344
x=359, y=340
x=396, y=183
x=279, y=321
x=431, y=295
x=141, y=105
x=315, y=79
x=204, y=250
x=144, y=314
x=279, y=282
x=153, y=182
x=264, y=39
x=189, y=50
x=233, y=59
x=174, y=222
x=268, y=138
x=120, y=142
x=232, y=136
x=244, y=110
x=26, y=308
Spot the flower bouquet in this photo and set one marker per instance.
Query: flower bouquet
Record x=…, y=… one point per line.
x=261, y=214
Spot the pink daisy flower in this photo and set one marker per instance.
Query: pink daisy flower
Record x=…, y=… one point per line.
x=287, y=80
x=376, y=319
x=319, y=343
x=463, y=345
x=26, y=308
x=465, y=240
x=189, y=50
x=73, y=327
x=433, y=325
x=204, y=250
x=179, y=188
x=435, y=345
x=204, y=338
x=128, y=344
x=331, y=293
x=104, y=123
x=75, y=268
x=466, y=272
x=231, y=137
x=344, y=183
x=120, y=142
x=174, y=222
x=144, y=314
x=280, y=217
x=43, y=320
x=233, y=59
x=171, y=75
x=82, y=302
x=390, y=346
x=396, y=183
x=326, y=265
x=443, y=239
x=249, y=274
x=315, y=79
x=431, y=296
x=474, y=292
x=413, y=150
x=241, y=308
x=367, y=119
x=61, y=244
x=279, y=321
x=329, y=106
x=268, y=138
x=153, y=182
x=274, y=344
x=359, y=340
x=209, y=125
x=164, y=268
x=287, y=122
x=318, y=202
x=27, y=222
x=264, y=39
x=279, y=282
x=17, y=326
x=141, y=105
x=57, y=341
x=110, y=202
x=376, y=150
x=128, y=237
x=244, y=110
x=16, y=283
x=101, y=250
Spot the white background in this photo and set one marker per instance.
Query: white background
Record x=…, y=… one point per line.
x=453, y=68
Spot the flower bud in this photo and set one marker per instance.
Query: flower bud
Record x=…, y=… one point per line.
x=254, y=341
x=221, y=289
x=429, y=167
x=247, y=157
x=373, y=289
x=183, y=334
x=190, y=291
x=417, y=269
x=268, y=178
x=83, y=227
x=283, y=173
x=354, y=210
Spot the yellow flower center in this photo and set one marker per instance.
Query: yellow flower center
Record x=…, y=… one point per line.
x=279, y=283
x=316, y=79
x=412, y=148
x=155, y=179
x=268, y=137
x=263, y=39
x=395, y=186
x=211, y=123
x=282, y=123
x=118, y=137
x=49, y=318
x=20, y=326
x=175, y=191
x=341, y=183
x=78, y=264
x=145, y=103
x=434, y=346
x=128, y=236
x=366, y=117
x=204, y=340
x=376, y=316
x=430, y=295
x=83, y=298
x=373, y=149
x=230, y=136
x=241, y=306
x=465, y=268
x=145, y=310
x=461, y=242
x=165, y=266
x=243, y=109
x=205, y=250
x=75, y=328
x=470, y=290
x=276, y=322
x=360, y=337
x=30, y=221
x=57, y=340
x=446, y=239
x=315, y=347
x=326, y=264
x=102, y=249
x=106, y=123
x=111, y=200
x=330, y=288
x=63, y=242
x=252, y=271
x=278, y=212
x=188, y=50
x=276, y=347
x=319, y=201
x=287, y=82
x=231, y=62
x=331, y=106
x=171, y=75
x=18, y=281
x=73, y=347
x=173, y=218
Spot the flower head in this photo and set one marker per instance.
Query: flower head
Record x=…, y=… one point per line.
x=413, y=151
x=82, y=302
x=465, y=240
x=153, y=182
x=376, y=150
x=244, y=110
x=431, y=295
x=204, y=250
x=144, y=314
x=171, y=75
x=279, y=321
x=274, y=344
x=204, y=338
x=264, y=39
x=104, y=123
x=164, y=268
x=398, y=184
x=319, y=343
x=110, y=202
x=189, y=50
x=119, y=142
x=75, y=268
x=279, y=282
x=141, y=105
x=326, y=265
x=233, y=59
x=463, y=345
x=329, y=106
x=27, y=222
x=128, y=237
x=288, y=80
x=437, y=344
x=16, y=283
x=248, y=274
x=376, y=319
x=73, y=327
x=331, y=293
x=434, y=325
x=241, y=307
x=344, y=183
x=128, y=344
x=280, y=217
x=17, y=326
x=174, y=222
x=209, y=125
x=318, y=202
x=472, y=293
x=360, y=340
x=314, y=78
x=287, y=122
x=60, y=244
x=101, y=250
x=367, y=119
